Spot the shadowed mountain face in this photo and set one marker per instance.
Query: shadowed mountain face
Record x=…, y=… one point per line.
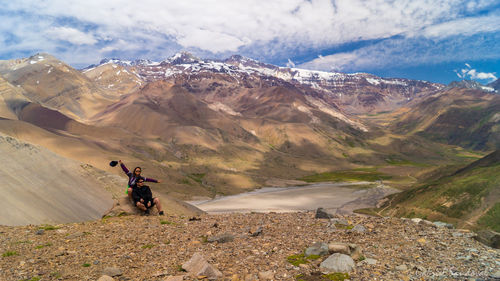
x=468, y=118
x=210, y=128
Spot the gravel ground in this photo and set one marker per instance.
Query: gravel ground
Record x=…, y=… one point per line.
x=154, y=247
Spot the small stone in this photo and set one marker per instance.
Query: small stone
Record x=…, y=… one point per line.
x=322, y=214
x=175, y=278
x=96, y=262
x=318, y=249
x=416, y=220
x=112, y=271
x=40, y=231
x=266, y=275
x=443, y=224
x=251, y=277
x=401, y=267
x=355, y=251
x=339, y=221
x=257, y=232
x=496, y=275
x=75, y=235
x=370, y=261
x=223, y=238
x=105, y=278
x=358, y=229
x=337, y=263
x=339, y=248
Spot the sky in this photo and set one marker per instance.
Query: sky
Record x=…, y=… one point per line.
x=433, y=40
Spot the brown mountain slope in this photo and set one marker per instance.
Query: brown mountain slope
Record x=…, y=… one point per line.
x=55, y=85
x=468, y=118
x=39, y=186
x=11, y=99
x=114, y=79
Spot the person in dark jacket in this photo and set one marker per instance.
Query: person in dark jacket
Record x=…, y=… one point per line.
x=132, y=178
x=143, y=198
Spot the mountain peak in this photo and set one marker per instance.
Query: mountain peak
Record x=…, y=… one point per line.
x=183, y=58
x=470, y=84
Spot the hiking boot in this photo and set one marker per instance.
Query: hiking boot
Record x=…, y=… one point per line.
x=161, y=213
x=146, y=212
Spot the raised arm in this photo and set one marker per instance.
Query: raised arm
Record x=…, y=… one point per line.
x=151, y=180
x=123, y=167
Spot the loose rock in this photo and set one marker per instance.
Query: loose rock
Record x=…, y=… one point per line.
x=105, y=278
x=266, y=275
x=198, y=266
x=112, y=271
x=223, y=238
x=337, y=263
x=318, y=249
x=342, y=248
x=322, y=214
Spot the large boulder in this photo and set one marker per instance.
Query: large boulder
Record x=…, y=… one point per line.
x=198, y=266
x=337, y=263
x=488, y=237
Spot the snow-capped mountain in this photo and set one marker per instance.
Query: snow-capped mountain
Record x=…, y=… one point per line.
x=357, y=92
x=470, y=84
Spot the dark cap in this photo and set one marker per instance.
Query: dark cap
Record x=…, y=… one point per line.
x=113, y=163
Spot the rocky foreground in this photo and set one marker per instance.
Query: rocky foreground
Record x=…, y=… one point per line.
x=244, y=247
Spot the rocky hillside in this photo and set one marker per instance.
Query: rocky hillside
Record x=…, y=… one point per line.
x=468, y=197
x=290, y=246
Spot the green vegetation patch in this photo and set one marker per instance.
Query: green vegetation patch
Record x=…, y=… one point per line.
x=147, y=246
x=318, y=276
x=24, y=242
x=86, y=264
x=43, y=246
x=35, y=278
x=167, y=222
x=491, y=219
x=367, y=174
x=394, y=161
x=297, y=259
x=337, y=276
x=9, y=254
x=197, y=177
x=48, y=227
x=56, y=275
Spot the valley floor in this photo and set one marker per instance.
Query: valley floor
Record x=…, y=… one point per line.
x=340, y=197
x=154, y=247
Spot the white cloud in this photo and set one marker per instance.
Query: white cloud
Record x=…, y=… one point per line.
x=71, y=35
x=290, y=63
x=463, y=26
x=472, y=73
x=263, y=28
